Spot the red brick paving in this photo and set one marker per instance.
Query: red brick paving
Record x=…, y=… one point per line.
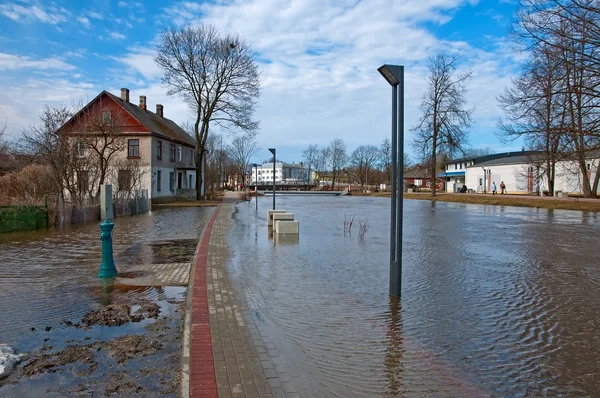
x=203, y=382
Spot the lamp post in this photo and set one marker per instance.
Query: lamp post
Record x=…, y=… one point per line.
x=273, y=151
x=256, y=184
x=394, y=75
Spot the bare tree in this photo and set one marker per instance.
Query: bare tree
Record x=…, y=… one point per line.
x=310, y=156
x=216, y=75
x=321, y=162
x=100, y=130
x=338, y=158
x=386, y=159
x=445, y=120
x=241, y=150
x=127, y=175
x=363, y=159
x=4, y=146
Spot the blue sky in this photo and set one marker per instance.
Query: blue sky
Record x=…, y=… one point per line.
x=318, y=60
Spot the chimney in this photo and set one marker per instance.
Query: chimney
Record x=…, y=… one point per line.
x=143, y=102
x=159, y=110
x=125, y=94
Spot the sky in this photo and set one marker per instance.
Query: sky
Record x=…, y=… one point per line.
x=318, y=61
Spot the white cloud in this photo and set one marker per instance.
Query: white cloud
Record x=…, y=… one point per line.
x=84, y=21
x=95, y=15
x=34, y=13
x=117, y=36
x=16, y=62
x=141, y=60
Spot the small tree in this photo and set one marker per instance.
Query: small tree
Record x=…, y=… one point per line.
x=445, y=120
x=337, y=158
x=363, y=159
x=241, y=150
x=310, y=156
x=215, y=74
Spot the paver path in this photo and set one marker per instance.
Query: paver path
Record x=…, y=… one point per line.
x=228, y=356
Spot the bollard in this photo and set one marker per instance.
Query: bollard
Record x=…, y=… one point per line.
x=107, y=267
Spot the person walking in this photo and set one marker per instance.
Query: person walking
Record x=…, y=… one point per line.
x=502, y=188
x=493, y=188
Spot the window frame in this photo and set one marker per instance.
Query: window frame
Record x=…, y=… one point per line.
x=159, y=149
x=130, y=147
x=158, y=180
x=172, y=152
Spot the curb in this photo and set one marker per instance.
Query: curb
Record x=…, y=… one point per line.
x=198, y=370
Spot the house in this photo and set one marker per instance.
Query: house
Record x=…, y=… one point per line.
x=522, y=172
x=150, y=151
x=420, y=178
x=456, y=169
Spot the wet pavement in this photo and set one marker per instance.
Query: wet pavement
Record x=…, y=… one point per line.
x=497, y=301
x=47, y=281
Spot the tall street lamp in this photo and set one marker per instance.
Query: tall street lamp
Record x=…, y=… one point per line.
x=273, y=151
x=394, y=75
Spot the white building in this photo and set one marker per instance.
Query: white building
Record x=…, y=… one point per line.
x=522, y=173
x=285, y=173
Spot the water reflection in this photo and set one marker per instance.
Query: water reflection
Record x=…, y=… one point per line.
x=496, y=301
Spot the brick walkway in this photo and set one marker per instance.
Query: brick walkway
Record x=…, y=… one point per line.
x=228, y=357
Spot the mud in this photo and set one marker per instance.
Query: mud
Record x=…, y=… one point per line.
x=121, y=385
x=117, y=315
x=125, y=348
x=50, y=362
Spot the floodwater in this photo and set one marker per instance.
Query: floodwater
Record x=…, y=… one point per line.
x=496, y=301
x=48, y=276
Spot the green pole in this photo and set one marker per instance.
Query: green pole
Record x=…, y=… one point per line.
x=107, y=267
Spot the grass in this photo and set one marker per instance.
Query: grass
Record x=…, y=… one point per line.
x=501, y=200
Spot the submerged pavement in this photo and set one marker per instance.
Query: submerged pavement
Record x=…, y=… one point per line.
x=229, y=357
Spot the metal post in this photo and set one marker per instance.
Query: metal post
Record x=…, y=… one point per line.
x=107, y=266
x=256, y=184
x=273, y=151
x=393, y=230
x=400, y=198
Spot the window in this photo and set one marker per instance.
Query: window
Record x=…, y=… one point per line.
x=159, y=150
x=589, y=166
x=455, y=166
x=83, y=179
x=106, y=116
x=460, y=166
x=179, y=154
x=172, y=152
x=172, y=180
x=190, y=183
x=124, y=180
x=80, y=149
x=158, y=180
x=133, y=148
x=192, y=156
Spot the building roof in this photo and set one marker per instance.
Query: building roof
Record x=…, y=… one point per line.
x=156, y=124
x=419, y=173
x=480, y=159
x=520, y=158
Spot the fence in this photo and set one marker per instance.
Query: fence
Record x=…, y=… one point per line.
x=23, y=218
x=131, y=204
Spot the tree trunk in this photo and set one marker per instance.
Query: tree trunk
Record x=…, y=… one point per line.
x=596, y=182
x=433, y=167
x=333, y=180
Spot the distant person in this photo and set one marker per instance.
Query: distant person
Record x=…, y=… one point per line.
x=463, y=189
x=502, y=188
x=493, y=188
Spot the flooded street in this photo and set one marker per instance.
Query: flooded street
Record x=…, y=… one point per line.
x=497, y=301
x=47, y=280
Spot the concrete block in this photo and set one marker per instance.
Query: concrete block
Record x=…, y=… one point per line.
x=283, y=216
x=564, y=194
x=287, y=227
x=270, y=216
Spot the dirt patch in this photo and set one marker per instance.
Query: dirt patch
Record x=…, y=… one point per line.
x=50, y=362
x=127, y=347
x=121, y=385
x=173, y=251
x=118, y=314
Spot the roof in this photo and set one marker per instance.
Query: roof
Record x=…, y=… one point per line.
x=521, y=158
x=480, y=159
x=417, y=173
x=156, y=124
